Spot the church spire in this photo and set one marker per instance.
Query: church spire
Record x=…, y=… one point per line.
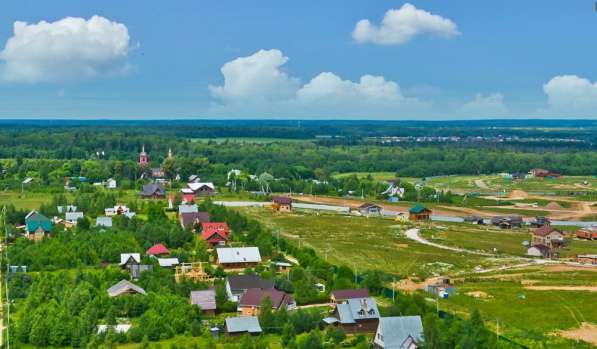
x=170, y=153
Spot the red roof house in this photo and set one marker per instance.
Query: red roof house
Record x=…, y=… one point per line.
x=158, y=249
x=216, y=233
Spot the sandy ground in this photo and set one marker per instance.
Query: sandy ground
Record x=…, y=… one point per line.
x=410, y=286
x=562, y=288
x=481, y=184
x=586, y=332
x=478, y=294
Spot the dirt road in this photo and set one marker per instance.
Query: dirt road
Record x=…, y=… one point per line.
x=413, y=234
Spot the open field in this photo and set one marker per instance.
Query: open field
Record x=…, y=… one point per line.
x=250, y=140
x=367, y=243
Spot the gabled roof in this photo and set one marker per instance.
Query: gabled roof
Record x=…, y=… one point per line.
x=238, y=324
x=396, y=331
x=189, y=218
x=124, y=258
x=205, y=299
x=253, y=297
x=158, y=249
x=369, y=205
x=238, y=255
x=546, y=230
x=198, y=185
x=282, y=200
x=35, y=220
x=544, y=250
x=153, y=189
x=418, y=208
x=245, y=282
x=351, y=293
x=209, y=229
x=124, y=287
x=357, y=309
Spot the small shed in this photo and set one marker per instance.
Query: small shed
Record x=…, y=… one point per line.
x=282, y=203
x=242, y=324
x=205, y=300
x=369, y=208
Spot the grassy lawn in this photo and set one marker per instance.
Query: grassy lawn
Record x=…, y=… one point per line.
x=366, y=243
x=27, y=200
x=519, y=308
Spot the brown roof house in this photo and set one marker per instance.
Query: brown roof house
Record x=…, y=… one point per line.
x=369, y=209
x=545, y=242
x=153, y=190
x=249, y=303
x=282, y=203
x=342, y=296
x=236, y=285
x=191, y=220
x=205, y=300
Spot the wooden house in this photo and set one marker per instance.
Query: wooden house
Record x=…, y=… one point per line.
x=547, y=236
x=238, y=257
x=200, y=189
x=419, y=213
x=282, y=203
x=357, y=315
x=507, y=222
x=205, y=300
x=192, y=220
x=237, y=285
x=342, y=296
x=588, y=233
x=192, y=271
x=215, y=233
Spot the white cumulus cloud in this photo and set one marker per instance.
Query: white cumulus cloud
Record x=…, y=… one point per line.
x=256, y=85
x=482, y=106
x=400, y=26
x=571, y=94
x=254, y=77
x=65, y=50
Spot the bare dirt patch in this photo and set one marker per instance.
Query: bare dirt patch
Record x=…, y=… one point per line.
x=586, y=332
x=562, y=288
x=478, y=294
x=553, y=206
x=518, y=194
x=563, y=267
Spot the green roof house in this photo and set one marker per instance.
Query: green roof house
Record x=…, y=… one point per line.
x=37, y=225
x=419, y=213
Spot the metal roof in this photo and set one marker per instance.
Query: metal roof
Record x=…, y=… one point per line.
x=187, y=208
x=205, y=299
x=124, y=257
x=168, y=262
x=123, y=287
x=103, y=222
x=396, y=330
x=238, y=255
x=73, y=216
x=357, y=309
x=243, y=324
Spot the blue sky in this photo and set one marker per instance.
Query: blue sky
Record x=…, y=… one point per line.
x=309, y=60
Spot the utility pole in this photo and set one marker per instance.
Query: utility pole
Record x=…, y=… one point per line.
x=393, y=289
x=497, y=332
x=5, y=247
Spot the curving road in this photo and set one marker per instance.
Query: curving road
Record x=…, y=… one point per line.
x=413, y=234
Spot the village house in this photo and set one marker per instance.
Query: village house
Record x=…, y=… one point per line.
x=399, y=332
x=215, y=233
x=132, y=262
x=187, y=208
x=157, y=250
x=588, y=233
x=71, y=218
x=507, y=222
x=168, y=262
x=249, y=303
x=105, y=222
x=234, y=326
x=37, y=226
x=118, y=328
x=543, y=173
x=541, y=251
x=587, y=259
x=236, y=285
x=205, y=300
x=282, y=203
x=547, y=236
x=116, y=210
x=370, y=209
x=419, y=213
x=238, y=257
x=474, y=220
x=540, y=222
x=153, y=191
x=111, y=183
x=342, y=296
x=357, y=315
x=191, y=220
x=124, y=287
x=199, y=188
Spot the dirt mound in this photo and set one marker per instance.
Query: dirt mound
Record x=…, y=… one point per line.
x=517, y=193
x=586, y=332
x=553, y=206
x=478, y=294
